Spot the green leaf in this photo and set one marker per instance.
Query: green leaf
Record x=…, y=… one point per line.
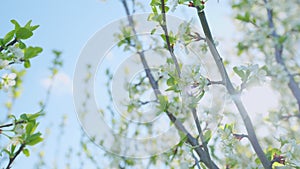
x=155, y=3
x=12, y=150
x=32, y=52
x=281, y=39
x=24, y=117
x=6, y=151
x=163, y=36
x=183, y=1
x=229, y=127
x=197, y=2
x=27, y=26
x=172, y=38
x=34, y=139
x=121, y=42
x=11, y=116
x=32, y=28
x=23, y=33
x=22, y=45
x=17, y=25
x=240, y=73
x=167, y=9
x=34, y=116
x=1, y=42
x=245, y=18
x=241, y=48
x=27, y=64
x=8, y=37
x=30, y=127
x=173, y=88
x=56, y=52
x=271, y=151
x=150, y=17
x=171, y=81
x=26, y=152
x=130, y=108
x=129, y=162
x=163, y=101
x=207, y=136
x=153, y=31
x=170, y=61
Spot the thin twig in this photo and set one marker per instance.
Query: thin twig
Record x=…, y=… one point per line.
x=9, y=44
x=210, y=82
x=11, y=124
x=200, y=132
x=165, y=29
x=196, y=161
x=12, y=159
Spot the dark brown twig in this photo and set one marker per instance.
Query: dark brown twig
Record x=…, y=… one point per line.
x=9, y=44
x=12, y=159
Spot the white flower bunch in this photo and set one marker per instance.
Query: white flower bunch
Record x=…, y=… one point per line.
x=8, y=80
x=17, y=52
x=4, y=64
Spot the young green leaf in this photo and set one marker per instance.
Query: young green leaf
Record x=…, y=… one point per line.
x=1, y=42
x=245, y=18
x=23, y=33
x=31, y=52
x=27, y=26
x=32, y=28
x=27, y=64
x=34, y=139
x=24, y=117
x=22, y=45
x=34, y=116
x=30, y=127
x=239, y=72
x=26, y=152
x=153, y=31
x=163, y=100
x=8, y=37
x=207, y=136
x=17, y=25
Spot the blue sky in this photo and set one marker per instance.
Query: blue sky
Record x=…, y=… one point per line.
x=67, y=25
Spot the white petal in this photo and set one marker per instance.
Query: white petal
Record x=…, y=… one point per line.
x=12, y=76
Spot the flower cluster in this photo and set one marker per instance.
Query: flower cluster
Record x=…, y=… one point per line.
x=7, y=80
x=17, y=54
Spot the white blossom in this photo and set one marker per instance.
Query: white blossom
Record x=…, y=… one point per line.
x=19, y=129
x=4, y=64
x=8, y=80
x=19, y=55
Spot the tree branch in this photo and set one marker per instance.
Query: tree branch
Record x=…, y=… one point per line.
x=11, y=124
x=12, y=159
x=203, y=141
x=190, y=139
x=165, y=29
x=279, y=59
x=9, y=44
x=196, y=161
x=235, y=96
